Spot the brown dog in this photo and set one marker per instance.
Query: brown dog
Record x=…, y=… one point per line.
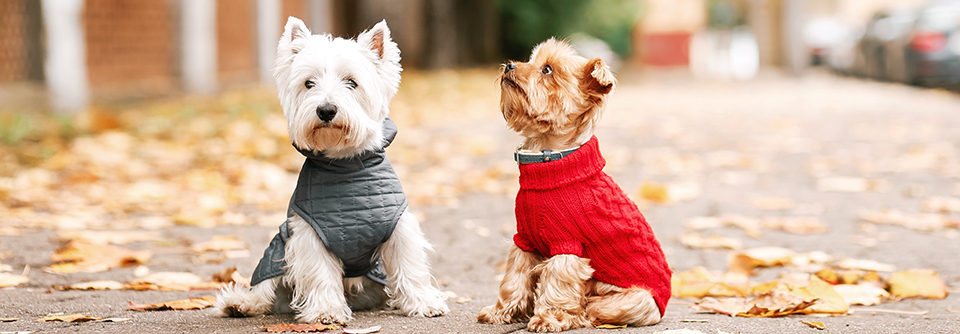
x=583, y=252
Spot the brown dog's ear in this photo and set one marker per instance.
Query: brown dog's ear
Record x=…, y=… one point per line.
x=597, y=77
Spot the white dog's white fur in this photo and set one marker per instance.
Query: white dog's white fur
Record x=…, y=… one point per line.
x=359, y=78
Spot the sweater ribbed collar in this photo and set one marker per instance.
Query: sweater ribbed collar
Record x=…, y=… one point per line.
x=357, y=162
x=579, y=165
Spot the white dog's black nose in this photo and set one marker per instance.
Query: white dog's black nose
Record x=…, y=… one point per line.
x=327, y=112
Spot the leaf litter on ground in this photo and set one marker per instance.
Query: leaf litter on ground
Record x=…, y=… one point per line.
x=82, y=256
x=182, y=304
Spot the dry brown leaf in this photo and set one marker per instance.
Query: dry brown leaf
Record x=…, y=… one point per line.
x=367, y=330
x=814, y=324
x=300, y=328
x=609, y=326
x=695, y=241
x=917, y=283
x=68, y=318
x=9, y=319
x=93, y=285
x=231, y=275
x=828, y=275
x=82, y=256
x=747, y=260
x=182, y=304
x=774, y=303
x=8, y=280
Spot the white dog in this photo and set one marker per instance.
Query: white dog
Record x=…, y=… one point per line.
x=348, y=215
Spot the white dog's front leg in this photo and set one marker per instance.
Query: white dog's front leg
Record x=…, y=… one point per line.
x=240, y=301
x=410, y=285
x=315, y=275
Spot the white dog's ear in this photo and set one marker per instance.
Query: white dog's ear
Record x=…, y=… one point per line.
x=378, y=40
x=293, y=40
x=294, y=33
x=597, y=77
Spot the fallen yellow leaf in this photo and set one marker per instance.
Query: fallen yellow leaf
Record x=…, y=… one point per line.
x=814, y=324
x=93, y=285
x=654, y=192
x=917, y=283
x=68, y=318
x=773, y=303
x=746, y=261
x=183, y=304
x=610, y=326
x=866, y=294
x=828, y=300
x=8, y=280
x=82, y=256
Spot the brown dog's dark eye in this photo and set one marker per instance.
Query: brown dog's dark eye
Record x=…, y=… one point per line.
x=546, y=70
x=309, y=84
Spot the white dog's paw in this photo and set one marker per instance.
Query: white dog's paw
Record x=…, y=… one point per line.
x=431, y=303
x=239, y=301
x=330, y=315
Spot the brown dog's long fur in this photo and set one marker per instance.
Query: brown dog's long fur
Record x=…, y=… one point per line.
x=557, y=108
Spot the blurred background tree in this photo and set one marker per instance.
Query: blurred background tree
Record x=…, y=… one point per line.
x=524, y=23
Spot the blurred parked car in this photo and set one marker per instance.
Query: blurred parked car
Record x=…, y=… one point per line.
x=933, y=55
x=881, y=52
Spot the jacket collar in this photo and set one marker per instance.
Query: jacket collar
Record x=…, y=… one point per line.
x=577, y=165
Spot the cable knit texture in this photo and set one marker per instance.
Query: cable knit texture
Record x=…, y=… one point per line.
x=570, y=206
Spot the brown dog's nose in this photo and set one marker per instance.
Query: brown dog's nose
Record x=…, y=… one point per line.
x=327, y=112
x=509, y=67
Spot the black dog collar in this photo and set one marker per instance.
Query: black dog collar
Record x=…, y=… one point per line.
x=543, y=156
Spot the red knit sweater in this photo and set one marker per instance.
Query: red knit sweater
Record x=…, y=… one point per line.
x=570, y=206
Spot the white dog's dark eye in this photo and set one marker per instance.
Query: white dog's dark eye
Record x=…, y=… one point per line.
x=351, y=84
x=546, y=70
x=309, y=84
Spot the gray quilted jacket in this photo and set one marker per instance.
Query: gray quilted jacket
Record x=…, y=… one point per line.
x=352, y=203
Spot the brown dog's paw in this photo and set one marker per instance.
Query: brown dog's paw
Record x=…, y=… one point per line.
x=540, y=324
x=556, y=321
x=492, y=315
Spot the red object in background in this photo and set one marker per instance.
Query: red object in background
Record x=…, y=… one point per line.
x=928, y=41
x=665, y=49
